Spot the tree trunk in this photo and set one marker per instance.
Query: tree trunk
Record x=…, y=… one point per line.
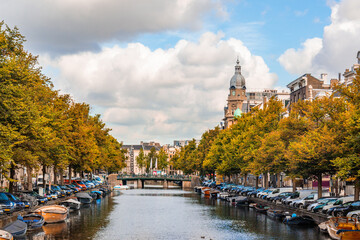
x=257, y=182
x=245, y=179
x=357, y=189
x=293, y=180
x=337, y=187
x=69, y=173
x=62, y=177
x=29, y=179
x=12, y=183
x=55, y=176
x=266, y=181
x=278, y=183
x=319, y=178
x=44, y=178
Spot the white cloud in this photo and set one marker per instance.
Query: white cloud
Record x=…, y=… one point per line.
x=162, y=94
x=297, y=61
x=69, y=26
x=338, y=48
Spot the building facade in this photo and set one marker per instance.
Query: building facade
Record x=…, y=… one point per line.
x=308, y=87
x=132, y=152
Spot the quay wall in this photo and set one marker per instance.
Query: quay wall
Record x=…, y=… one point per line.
x=318, y=217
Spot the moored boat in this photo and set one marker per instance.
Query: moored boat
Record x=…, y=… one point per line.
x=252, y=205
x=72, y=204
x=84, y=198
x=33, y=221
x=323, y=226
x=53, y=213
x=214, y=193
x=121, y=187
x=4, y=235
x=343, y=228
x=16, y=229
x=299, y=220
x=261, y=208
x=278, y=214
x=205, y=190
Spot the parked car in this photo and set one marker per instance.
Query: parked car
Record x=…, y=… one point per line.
x=337, y=203
x=354, y=214
x=331, y=210
x=301, y=194
x=343, y=211
x=279, y=197
x=277, y=192
x=253, y=193
x=19, y=205
x=27, y=199
x=80, y=183
x=320, y=203
x=6, y=204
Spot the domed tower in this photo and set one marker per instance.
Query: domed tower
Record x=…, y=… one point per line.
x=236, y=97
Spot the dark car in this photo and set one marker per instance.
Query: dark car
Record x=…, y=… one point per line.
x=5, y=203
x=40, y=199
x=253, y=193
x=19, y=205
x=279, y=197
x=342, y=211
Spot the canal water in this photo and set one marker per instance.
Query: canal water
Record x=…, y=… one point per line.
x=143, y=214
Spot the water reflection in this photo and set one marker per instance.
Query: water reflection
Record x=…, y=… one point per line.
x=175, y=214
x=169, y=214
x=81, y=224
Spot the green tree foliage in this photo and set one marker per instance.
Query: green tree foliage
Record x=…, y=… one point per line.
x=162, y=159
x=349, y=162
x=141, y=159
x=39, y=128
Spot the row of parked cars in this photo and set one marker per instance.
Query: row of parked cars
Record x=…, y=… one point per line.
x=307, y=199
x=27, y=199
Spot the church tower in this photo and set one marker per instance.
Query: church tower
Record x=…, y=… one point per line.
x=236, y=98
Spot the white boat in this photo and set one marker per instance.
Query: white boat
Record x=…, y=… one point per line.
x=4, y=235
x=72, y=204
x=121, y=187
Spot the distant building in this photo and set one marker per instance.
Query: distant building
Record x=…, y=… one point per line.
x=183, y=143
x=349, y=75
x=241, y=100
x=132, y=152
x=308, y=87
x=236, y=97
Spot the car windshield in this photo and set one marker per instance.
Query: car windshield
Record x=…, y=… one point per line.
x=3, y=197
x=11, y=197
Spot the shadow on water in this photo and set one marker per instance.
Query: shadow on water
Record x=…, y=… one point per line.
x=81, y=224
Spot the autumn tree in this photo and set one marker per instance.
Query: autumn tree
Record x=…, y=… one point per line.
x=141, y=159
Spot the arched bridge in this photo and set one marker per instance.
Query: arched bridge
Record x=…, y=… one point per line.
x=181, y=180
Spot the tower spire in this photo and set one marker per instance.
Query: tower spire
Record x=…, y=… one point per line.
x=237, y=67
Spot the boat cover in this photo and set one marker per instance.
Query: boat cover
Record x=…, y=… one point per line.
x=15, y=227
x=83, y=195
x=72, y=201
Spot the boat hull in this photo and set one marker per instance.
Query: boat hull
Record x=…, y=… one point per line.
x=53, y=214
x=33, y=221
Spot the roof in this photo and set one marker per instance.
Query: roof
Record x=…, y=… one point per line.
x=238, y=80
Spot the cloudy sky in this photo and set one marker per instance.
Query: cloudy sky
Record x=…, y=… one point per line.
x=160, y=70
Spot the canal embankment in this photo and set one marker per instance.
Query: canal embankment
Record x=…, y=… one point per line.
x=318, y=217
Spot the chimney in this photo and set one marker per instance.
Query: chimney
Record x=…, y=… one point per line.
x=339, y=78
x=334, y=82
x=310, y=92
x=323, y=77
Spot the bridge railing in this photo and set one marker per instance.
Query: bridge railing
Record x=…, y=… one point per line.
x=177, y=177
